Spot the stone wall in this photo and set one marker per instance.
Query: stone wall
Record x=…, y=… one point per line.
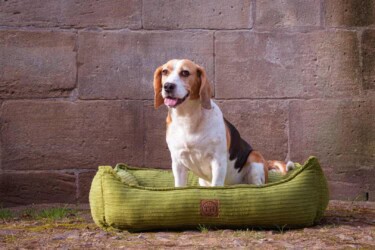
x=297, y=77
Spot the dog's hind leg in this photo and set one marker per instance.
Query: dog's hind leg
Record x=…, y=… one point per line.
x=257, y=169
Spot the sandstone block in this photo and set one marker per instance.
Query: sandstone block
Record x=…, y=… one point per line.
x=349, y=13
x=63, y=135
x=37, y=64
x=26, y=188
x=341, y=133
x=290, y=13
x=211, y=14
x=368, y=59
x=123, y=64
x=70, y=13
x=349, y=191
x=280, y=65
x=354, y=183
x=84, y=184
x=156, y=148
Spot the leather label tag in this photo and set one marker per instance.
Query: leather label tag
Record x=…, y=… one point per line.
x=210, y=208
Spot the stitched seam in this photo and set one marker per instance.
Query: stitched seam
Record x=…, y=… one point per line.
x=308, y=164
x=101, y=185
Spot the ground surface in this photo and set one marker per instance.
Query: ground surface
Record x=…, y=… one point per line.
x=345, y=225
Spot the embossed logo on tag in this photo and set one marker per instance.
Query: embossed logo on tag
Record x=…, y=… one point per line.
x=210, y=208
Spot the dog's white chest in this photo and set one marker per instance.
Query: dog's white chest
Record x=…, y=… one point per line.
x=195, y=147
x=194, y=151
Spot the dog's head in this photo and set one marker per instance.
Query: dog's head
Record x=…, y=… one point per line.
x=179, y=81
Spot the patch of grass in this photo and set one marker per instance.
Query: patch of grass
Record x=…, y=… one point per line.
x=74, y=226
x=30, y=213
x=331, y=225
x=281, y=229
x=202, y=228
x=56, y=225
x=238, y=233
x=5, y=214
x=258, y=235
x=56, y=213
x=41, y=228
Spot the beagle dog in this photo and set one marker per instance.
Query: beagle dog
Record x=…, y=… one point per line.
x=199, y=138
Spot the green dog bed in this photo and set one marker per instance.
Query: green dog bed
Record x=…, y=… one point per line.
x=140, y=199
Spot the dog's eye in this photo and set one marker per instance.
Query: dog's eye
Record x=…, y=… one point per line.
x=185, y=73
x=164, y=72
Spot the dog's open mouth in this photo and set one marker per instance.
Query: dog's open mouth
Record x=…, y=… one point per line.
x=174, y=102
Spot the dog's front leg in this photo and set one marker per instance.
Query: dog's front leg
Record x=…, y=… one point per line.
x=180, y=174
x=219, y=171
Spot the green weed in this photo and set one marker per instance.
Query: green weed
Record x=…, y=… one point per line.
x=56, y=213
x=202, y=228
x=30, y=213
x=5, y=214
x=281, y=229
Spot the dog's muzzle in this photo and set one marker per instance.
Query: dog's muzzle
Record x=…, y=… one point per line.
x=174, y=102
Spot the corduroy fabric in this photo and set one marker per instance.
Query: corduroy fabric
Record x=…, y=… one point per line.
x=138, y=199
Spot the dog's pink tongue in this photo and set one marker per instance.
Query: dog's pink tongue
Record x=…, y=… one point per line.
x=170, y=102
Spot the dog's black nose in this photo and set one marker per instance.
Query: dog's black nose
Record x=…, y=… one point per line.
x=169, y=87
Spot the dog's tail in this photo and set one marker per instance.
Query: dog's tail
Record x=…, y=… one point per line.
x=280, y=166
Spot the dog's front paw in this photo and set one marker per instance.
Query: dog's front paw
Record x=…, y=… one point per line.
x=204, y=183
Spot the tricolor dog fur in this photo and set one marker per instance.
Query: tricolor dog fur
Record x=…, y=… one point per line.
x=199, y=138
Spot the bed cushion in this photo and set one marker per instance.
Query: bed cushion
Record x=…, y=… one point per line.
x=139, y=199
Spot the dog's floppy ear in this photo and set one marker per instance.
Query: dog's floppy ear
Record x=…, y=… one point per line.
x=158, y=98
x=205, y=89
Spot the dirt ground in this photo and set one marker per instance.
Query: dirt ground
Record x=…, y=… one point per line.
x=345, y=225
